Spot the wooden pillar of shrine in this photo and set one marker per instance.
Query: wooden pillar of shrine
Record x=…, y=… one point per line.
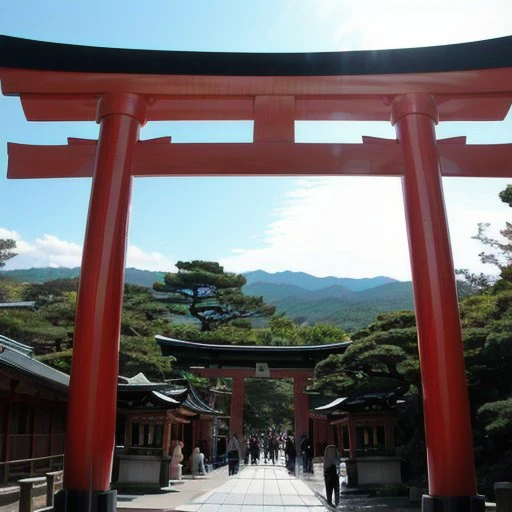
x=93, y=384
x=236, y=419
x=450, y=456
x=300, y=406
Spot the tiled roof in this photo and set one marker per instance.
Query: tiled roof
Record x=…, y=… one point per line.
x=195, y=403
x=30, y=304
x=18, y=359
x=360, y=402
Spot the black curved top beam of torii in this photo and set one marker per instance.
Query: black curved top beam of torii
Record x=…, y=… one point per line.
x=190, y=353
x=37, y=55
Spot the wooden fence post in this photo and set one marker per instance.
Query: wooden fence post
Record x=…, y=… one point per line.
x=26, y=488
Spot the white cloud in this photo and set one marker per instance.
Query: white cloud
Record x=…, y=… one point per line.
x=334, y=226
x=51, y=251
x=47, y=251
x=355, y=227
x=7, y=233
x=137, y=258
x=372, y=24
x=21, y=246
x=463, y=223
x=58, y=253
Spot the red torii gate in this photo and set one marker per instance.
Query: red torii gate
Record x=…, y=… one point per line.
x=123, y=89
x=239, y=362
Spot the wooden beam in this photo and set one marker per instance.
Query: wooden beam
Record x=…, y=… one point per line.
x=274, y=119
x=473, y=82
x=128, y=426
x=210, y=107
x=259, y=159
x=214, y=373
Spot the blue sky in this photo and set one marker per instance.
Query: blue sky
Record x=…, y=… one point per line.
x=352, y=227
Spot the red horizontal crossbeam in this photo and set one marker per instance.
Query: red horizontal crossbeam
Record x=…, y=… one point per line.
x=474, y=82
x=249, y=373
x=62, y=96
x=259, y=159
x=60, y=107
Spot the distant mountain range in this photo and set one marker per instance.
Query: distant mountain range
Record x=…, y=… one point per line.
x=348, y=303
x=41, y=275
x=309, y=282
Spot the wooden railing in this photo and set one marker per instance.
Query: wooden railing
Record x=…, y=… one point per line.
x=30, y=467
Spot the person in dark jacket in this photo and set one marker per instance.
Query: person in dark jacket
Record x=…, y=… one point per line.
x=331, y=476
x=306, y=450
x=255, y=450
x=291, y=454
x=274, y=449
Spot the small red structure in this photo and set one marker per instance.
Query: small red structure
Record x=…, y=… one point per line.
x=363, y=427
x=152, y=418
x=123, y=89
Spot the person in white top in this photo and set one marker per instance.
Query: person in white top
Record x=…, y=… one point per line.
x=197, y=462
x=233, y=449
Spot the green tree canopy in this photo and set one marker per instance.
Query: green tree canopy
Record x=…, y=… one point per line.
x=6, y=246
x=212, y=296
x=382, y=357
x=268, y=403
x=284, y=331
x=50, y=292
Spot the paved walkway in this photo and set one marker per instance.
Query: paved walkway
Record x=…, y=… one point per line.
x=185, y=492
x=259, y=488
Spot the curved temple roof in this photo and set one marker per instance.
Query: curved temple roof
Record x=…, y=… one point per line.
x=18, y=360
x=191, y=353
x=37, y=55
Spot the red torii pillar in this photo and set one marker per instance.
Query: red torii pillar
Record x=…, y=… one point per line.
x=93, y=385
x=236, y=416
x=300, y=406
x=450, y=460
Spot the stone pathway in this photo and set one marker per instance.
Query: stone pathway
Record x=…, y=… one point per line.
x=260, y=488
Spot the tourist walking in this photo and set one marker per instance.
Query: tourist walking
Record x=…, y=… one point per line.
x=247, y=449
x=331, y=474
x=306, y=450
x=233, y=449
x=291, y=453
x=255, y=450
x=274, y=449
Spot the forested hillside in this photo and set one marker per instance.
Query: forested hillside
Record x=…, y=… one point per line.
x=136, y=276
x=309, y=282
x=347, y=303
x=335, y=305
